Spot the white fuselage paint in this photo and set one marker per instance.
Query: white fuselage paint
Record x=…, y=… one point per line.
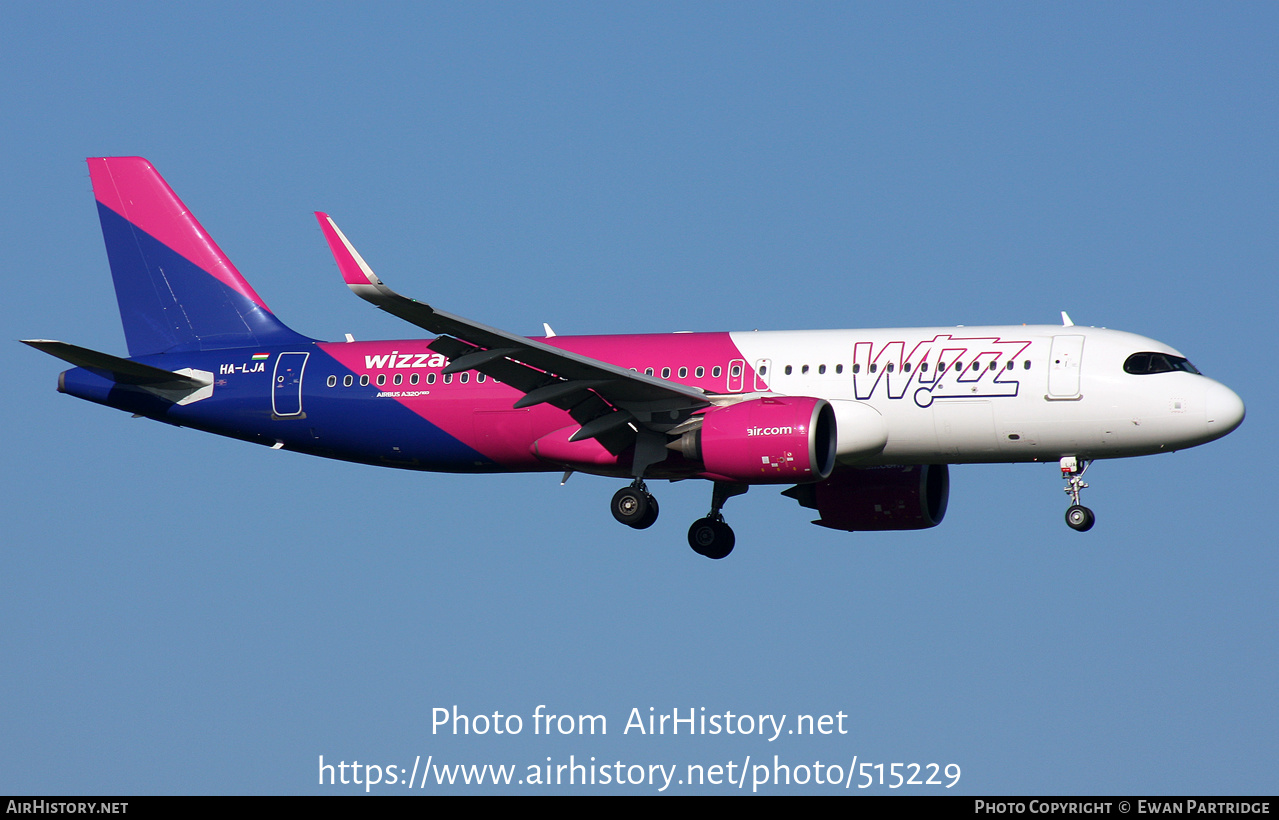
x=1074, y=399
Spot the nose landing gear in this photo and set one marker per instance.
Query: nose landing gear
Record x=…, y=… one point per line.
x=1078, y=517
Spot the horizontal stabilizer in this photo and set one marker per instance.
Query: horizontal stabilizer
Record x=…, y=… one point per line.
x=122, y=371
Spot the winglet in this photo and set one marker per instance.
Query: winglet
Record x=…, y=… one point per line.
x=1065, y=320
x=363, y=282
x=355, y=271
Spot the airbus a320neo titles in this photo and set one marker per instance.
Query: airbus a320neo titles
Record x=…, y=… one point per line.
x=861, y=423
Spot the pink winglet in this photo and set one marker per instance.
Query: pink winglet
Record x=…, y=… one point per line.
x=355, y=271
x=132, y=188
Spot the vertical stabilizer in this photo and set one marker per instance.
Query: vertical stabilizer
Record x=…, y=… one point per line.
x=177, y=291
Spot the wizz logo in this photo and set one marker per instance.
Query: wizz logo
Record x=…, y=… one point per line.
x=397, y=359
x=940, y=368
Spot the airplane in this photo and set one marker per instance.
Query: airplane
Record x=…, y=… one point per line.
x=860, y=423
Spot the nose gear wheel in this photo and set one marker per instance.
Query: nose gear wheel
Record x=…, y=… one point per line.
x=1078, y=517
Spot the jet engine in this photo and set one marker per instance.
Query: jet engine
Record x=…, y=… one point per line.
x=774, y=440
x=879, y=498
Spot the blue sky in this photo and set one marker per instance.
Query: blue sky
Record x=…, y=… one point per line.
x=181, y=613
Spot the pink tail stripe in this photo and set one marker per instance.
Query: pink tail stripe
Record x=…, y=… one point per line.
x=131, y=187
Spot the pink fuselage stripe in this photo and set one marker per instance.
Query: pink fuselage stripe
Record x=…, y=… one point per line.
x=132, y=188
x=641, y=351
x=454, y=407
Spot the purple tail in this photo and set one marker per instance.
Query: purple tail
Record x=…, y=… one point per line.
x=176, y=289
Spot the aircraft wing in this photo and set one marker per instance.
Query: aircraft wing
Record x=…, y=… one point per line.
x=610, y=402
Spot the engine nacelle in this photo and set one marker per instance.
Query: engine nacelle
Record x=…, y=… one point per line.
x=774, y=440
x=879, y=498
x=862, y=430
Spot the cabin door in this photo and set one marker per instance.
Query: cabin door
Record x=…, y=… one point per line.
x=286, y=385
x=1063, y=367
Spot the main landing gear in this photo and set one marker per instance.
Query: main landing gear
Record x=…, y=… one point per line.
x=710, y=536
x=1078, y=517
x=636, y=507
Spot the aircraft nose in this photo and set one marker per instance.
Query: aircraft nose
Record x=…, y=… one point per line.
x=1224, y=409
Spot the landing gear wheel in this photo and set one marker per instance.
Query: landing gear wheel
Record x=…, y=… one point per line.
x=711, y=538
x=649, y=517
x=1080, y=518
x=634, y=508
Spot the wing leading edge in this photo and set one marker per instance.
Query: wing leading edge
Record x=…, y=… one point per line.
x=612, y=404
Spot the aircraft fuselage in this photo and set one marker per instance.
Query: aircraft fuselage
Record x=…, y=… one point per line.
x=948, y=395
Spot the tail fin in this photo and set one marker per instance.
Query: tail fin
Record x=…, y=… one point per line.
x=177, y=291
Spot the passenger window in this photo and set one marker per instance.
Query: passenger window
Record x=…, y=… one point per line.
x=890, y=367
x=857, y=369
x=1026, y=365
x=448, y=378
x=821, y=369
x=479, y=378
x=399, y=379
x=332, y=381
x=465, y=377
x=364, y=380
x=346, y=380
x=430, y=378
x=788, y=370
x=874, y=368
x=648, y=371
x=666, y=372
x=413, y=378
x=701, y=371
x=737, y=370
x=804, y=369
x=683, y=372
x=715, y=371
x=381, y=379
x=839, y=368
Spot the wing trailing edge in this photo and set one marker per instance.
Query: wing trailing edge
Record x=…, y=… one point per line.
x=600, y=396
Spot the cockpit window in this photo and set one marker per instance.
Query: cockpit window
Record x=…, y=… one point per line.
x=1139, y=364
